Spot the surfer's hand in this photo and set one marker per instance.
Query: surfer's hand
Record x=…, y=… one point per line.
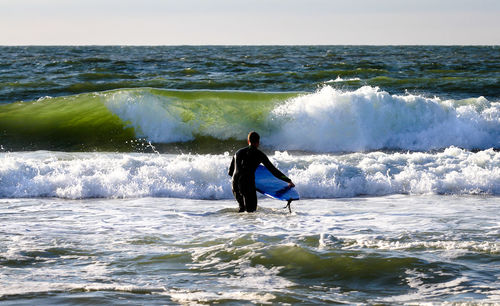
x=291, y=184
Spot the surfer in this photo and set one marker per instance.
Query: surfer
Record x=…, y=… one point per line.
x=242, y=170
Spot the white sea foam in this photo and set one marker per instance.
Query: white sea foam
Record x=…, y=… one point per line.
x=455, y=246
x=339, y=80
x=192, y=297
x=366, y=119
x=111, y=175
x=44, y=287
x=423, y=291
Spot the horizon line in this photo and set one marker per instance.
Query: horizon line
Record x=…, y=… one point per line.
x=244, y=45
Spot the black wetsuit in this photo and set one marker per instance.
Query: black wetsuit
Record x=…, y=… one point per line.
x=242, y=170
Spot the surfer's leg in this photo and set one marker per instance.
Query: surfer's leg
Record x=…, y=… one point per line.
x=250, y=197
x=239, y=197
x=251, y=202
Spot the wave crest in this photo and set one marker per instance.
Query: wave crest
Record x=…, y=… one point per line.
x=328, y=120
x=331, y=120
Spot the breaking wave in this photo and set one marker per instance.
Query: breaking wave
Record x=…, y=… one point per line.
x=328, y=120
x=131, y=175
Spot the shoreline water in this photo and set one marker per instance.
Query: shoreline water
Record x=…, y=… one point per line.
x=390, y=249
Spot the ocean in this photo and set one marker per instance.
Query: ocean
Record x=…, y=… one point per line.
x=114, y=186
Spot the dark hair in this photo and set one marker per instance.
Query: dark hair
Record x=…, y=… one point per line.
x=253, y=137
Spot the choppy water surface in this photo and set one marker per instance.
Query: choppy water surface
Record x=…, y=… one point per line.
x=28, y=73
x=158, y=251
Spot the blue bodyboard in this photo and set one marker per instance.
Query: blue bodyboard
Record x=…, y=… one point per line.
x=266, y=183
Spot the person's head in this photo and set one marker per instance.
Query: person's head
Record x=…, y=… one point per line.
x=253, y=139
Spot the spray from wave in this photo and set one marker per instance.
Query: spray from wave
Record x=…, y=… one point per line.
x=369, y=119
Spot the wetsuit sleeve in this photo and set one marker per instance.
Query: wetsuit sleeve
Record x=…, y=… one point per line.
x=231, y=168
x=267, y=163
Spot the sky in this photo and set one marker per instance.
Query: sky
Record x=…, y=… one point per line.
x=249, y=22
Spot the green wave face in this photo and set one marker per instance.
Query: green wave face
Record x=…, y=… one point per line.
x=219, y=114
x=77, y=123
x=115, y=120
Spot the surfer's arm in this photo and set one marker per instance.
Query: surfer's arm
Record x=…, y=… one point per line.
x=267, y=163
x=231, y=168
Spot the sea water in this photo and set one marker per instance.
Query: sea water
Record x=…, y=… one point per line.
x=387, y=249
x=114, y=185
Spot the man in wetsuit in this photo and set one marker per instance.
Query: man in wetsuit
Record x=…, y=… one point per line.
x=242, y=171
